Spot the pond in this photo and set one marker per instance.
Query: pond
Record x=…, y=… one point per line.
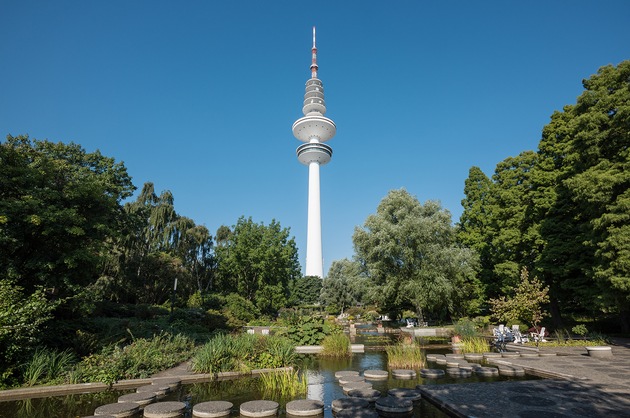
x=322, y=385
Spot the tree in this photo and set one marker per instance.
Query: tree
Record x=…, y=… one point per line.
x=305, y=290
x=409, y=252
x=342, y=286
x=524, y=304
x=258, y=262
x=60, y=207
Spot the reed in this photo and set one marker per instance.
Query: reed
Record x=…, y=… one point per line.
x=405, y=356
x=336, y=345
x=283, y=384
x=474, y=345
x=47, y=366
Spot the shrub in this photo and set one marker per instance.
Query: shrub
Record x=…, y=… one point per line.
x=465, y=328
x=405, y=356
x=475, y=345
x=580, y=330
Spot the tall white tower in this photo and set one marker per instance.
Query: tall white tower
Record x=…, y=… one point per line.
x=314, y=129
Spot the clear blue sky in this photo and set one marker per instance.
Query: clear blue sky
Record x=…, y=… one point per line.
x=199, y=97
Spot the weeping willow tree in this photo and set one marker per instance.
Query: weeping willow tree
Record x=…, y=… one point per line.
x=158, y=247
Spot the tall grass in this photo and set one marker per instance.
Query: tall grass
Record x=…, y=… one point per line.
x=336, y=345
x=242, y=353
x=404, y=356
x=474, y=345
x=283, y=384
x=47, y=366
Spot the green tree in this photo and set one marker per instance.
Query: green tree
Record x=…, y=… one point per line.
x=59, y=208
x=258, y=262
x=525, y=303
x=305, y=290
x=342, y=286
x=409, y=252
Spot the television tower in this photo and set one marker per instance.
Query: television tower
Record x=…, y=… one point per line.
x=314, y=129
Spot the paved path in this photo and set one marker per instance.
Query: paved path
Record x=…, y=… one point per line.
x=583, y=387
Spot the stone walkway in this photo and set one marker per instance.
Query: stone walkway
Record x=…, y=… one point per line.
x=580, y=386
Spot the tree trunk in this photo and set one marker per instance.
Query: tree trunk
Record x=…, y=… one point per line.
x=554, y=308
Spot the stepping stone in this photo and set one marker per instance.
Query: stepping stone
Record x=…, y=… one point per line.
x=491, y=355
x=349, y=403
x=164, y=410
x=142, y=398
x=159, y=390
x=530, y=354
x=487, y=371
x=376, y=374
x=511, y=371
x=440, y=360
x=357, y=413
x=394, y=405
x=99, y=416
x=342, y=373
x=369, y=395
x=510, y=354
x=546, y=354
x=455, y=362
x=432, y=373
x=305, y=407
x=467, y=367
x=347, y=379
x=356, y=385
x=457, y=372
x=473, y=356
x=212, y=409
x=259, y=408
x=454, y=356
x=171, y=382
x=117, y=410
x=431, y=357
x=412, y=395
x=403, y=373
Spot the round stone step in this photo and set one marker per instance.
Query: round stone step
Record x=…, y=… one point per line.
x=511, y=371
x=169, y=409
x=212, y=409
x=491, y=355
x=356, y=385
x=369, y=395
x=117, y=410
x=440, y=360
x=403, y=373
x=432, y=373
x=259, y=408
x=412, y=395
x=546, y=354
x=140, y=398
x=529, y=354
x=305, y=407
x=349, y=403
x=347, y=379
x=98, y=416
x=342, y=373
x=376, y=374
x=454, y=356
x=159, y=390
x=172, y=382
x=510, y=354
x=458, y=373
x=473, y=356
x=357, y=413
x=394, y=405
x=455, y=362
x=431, y=357
x=487, y=371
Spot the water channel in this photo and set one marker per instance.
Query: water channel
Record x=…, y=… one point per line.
x=322, y=385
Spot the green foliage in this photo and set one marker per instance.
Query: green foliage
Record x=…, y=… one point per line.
x=242, y=353
x=474, y=345
x=525, y=304
x=580, y=330
x=306, y=330
x=283, y=384
x=344, y=286
x=410, y=254
x=465, y=328
x=239, y=311
x=22, y=318
x=140, y=359
x=305, y=290
x=336, y=345
x=47, y=366
x=405, y=356
x=257, y=262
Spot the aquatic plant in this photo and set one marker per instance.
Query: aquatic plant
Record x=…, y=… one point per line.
x=474, y=345
x=283, y=384
x=405, y=356
x=336, y=345
x=47, y=366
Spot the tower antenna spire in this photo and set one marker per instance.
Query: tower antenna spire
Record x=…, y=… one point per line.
x=314, y=66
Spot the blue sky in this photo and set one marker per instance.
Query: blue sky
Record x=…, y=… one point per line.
x=199, y=97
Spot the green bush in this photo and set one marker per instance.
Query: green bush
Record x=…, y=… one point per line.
x=336, y=345
x=465, y=328
x=239, y=311
x=580, y=330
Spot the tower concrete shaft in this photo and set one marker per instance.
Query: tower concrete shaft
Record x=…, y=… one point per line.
x=314, y=129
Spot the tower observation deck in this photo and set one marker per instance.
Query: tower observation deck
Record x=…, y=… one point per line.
x=314, y=129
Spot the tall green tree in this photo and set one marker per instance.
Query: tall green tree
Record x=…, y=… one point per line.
x=60, y=207
x=258, y=262
x=305, y=290
x=410, y=253
x=344, y=285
